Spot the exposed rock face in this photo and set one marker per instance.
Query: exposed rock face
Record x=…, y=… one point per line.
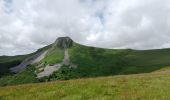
x=48, y=70
x=63, y=42
x=30, y=60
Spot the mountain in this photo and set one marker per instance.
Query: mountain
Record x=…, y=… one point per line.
x=65, y=59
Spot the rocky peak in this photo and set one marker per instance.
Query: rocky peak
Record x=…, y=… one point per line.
x=64, y=42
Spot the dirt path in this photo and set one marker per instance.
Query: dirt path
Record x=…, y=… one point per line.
x=31, y=60
x=66, y=60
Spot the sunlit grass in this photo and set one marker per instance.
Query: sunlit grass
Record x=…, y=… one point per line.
x=153, y=86
x=54, y=56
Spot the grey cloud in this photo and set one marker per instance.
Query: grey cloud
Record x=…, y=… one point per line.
x=138, y=24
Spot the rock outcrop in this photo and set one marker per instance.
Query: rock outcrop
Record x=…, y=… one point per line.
x=63, y=42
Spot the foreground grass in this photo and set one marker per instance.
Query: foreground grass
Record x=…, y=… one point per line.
x=153, y=86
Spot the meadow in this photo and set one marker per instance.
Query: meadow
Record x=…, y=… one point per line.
x=147, y=86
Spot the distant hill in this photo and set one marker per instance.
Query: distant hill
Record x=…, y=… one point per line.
x=66, y=59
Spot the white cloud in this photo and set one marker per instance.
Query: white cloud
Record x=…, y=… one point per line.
x=138, y=24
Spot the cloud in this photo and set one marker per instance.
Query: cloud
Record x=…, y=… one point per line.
x=26, y=26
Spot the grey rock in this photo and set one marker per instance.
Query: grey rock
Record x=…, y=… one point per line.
x=30, y=60
x=48, y=70
x=63, y=42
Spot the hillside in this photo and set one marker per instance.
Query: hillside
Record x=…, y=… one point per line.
x=6, y=62
x=98, y=61
x=148, y=86
x=66, y=59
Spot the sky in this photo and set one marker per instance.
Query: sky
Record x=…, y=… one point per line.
x=26, y=25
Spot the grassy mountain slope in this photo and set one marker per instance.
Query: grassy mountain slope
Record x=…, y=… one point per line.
x=54, y=55
x=26, y=76
x=91, y=62
x=102, y=62
x=150, y=86
x=94, y=62
x=6, y=62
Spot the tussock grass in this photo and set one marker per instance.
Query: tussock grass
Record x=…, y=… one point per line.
x=150, y=86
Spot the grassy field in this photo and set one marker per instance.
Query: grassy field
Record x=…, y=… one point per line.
x=149, y=86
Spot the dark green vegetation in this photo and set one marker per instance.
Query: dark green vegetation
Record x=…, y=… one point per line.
x=64, y=73
x=9, y=78
x=6, y=62
x=103, y=62
x=90, y=61
x=94, y=62
x=27, y=76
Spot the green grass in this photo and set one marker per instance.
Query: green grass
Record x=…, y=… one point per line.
x=152, y=86
x=54, y=55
